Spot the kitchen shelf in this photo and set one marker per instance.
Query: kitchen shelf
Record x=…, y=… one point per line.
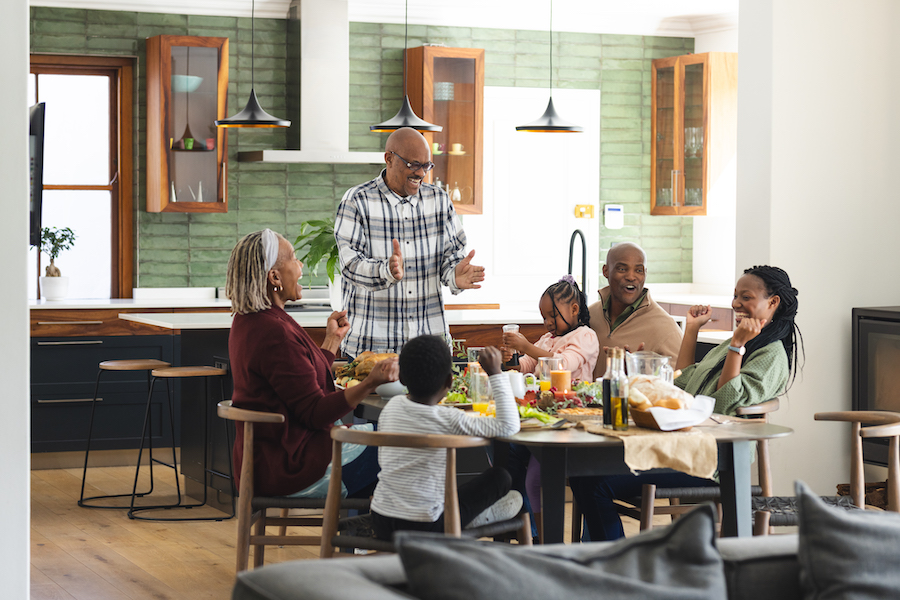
x=174, y=173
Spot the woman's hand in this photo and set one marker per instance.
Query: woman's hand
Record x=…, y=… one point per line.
x=336, y=327
x=515, y=341
x=383, y=372
x=698, y=316
x=746, y=330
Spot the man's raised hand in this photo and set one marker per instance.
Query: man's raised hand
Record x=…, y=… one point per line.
x=395, y=263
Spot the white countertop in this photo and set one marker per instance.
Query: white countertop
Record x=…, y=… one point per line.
x=317, y=318
x=104, y=303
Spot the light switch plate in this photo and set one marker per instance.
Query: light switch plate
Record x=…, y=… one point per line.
x=584, y=211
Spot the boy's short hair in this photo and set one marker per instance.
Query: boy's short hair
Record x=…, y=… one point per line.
x=425, y=365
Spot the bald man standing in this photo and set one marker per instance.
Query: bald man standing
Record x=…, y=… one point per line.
x=399, y=240
x=626, y=316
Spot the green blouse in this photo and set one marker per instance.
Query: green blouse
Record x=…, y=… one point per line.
x=763, y=376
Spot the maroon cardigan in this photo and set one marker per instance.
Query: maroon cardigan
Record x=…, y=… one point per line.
x=278, y=368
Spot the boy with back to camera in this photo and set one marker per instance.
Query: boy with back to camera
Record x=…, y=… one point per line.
x=410, y=491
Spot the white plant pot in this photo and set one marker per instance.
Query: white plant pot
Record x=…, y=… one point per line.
x=54, y=288
x=334, y=293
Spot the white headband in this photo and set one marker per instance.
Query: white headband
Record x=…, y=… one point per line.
x=270, y=248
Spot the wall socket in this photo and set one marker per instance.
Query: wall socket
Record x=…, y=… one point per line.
x=584, y=211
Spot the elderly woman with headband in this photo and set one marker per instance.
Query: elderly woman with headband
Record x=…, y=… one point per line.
x=277, y=367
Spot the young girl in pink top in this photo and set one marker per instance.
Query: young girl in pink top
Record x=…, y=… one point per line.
x=569, y=337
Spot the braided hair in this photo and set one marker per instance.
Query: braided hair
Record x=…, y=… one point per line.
x=782, y=326
x=565, y=291
x=247, y=276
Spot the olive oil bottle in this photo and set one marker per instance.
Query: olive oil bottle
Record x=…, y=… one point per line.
x=619, y=391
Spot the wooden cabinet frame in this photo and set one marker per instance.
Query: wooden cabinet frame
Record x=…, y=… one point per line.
x=462, y=123
x=719, y=122
x=160, y=131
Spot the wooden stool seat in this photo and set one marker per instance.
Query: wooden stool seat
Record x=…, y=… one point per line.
x=173, y=372
x=137, y=364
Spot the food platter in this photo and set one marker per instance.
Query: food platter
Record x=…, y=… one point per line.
x=459, y=405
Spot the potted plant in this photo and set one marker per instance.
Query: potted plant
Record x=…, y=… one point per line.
x=316, y=243
x=53, y=241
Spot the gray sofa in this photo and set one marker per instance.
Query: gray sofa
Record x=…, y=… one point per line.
x=755, y=568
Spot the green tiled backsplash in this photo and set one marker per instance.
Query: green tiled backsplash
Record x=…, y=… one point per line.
x=178, y=249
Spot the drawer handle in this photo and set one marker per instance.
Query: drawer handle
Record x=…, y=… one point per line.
x=68, y=400
x=70, y=322
x=78, y=343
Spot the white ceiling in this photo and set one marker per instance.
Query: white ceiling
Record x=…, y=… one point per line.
x=682, y=18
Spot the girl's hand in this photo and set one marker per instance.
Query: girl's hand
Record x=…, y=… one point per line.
x=746, y=330
x=337, y=325
x=515, y=341
x=698, y=316
x=507, y=353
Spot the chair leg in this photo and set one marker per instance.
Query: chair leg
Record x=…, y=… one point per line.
x=285, y=513
x=245, y=522
x=761, y=522
x=524, y=532
x=648, y=499
x=259, y=550
x=577, y=520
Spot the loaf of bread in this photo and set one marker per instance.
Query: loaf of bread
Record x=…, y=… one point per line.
x=646, y=391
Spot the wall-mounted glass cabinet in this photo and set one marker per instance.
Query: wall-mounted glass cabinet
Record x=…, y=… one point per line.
x=187, y=82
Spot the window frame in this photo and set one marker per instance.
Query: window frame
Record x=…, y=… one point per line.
x=121, y=160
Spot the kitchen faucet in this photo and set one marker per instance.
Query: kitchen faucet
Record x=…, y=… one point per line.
x=578, y=232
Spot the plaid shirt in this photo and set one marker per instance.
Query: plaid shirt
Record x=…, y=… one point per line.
x=385, y=312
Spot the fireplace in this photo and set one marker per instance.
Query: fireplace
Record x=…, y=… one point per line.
x=876, y=369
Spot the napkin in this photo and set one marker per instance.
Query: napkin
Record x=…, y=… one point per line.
x=669, y=419
x=691, y=452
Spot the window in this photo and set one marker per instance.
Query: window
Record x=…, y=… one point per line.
x=87, y=170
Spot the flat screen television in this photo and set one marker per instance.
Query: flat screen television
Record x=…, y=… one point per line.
x=36, y=154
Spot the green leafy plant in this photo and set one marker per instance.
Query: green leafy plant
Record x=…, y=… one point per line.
x=316, y=242
x=53, y=241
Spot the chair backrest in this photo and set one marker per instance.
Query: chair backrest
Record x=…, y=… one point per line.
x=764, y=469
x=881, y=424
x=341, y=435
x=225, y=410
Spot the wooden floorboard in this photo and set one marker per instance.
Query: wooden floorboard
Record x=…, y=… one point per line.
x=92, y=554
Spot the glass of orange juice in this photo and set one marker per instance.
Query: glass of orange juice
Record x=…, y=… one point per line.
x=481, y=406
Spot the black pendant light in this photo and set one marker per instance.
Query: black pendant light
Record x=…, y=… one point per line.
x=550, y=122
x=405, y=117
x=253, y=114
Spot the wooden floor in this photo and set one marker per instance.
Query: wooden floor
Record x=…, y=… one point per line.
x=89, y=554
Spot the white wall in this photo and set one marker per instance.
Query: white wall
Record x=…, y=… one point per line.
x=532, y=182
x=14, y=364
x=714, y=255
x=817, y=148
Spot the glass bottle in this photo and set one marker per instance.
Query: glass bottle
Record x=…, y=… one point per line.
x=606, y=384
x=619, y=392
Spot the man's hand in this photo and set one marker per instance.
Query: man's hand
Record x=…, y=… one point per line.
x=490, y=360
x=395, y=263
x=467, y=274
x=606, y=349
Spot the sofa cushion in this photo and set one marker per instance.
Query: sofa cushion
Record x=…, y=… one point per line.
x=847, y=554
x=675, y=562
x=761, y=567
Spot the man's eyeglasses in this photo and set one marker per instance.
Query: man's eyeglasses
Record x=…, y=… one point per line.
x=414, y=166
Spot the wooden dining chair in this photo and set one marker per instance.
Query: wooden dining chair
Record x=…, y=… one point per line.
x=521, y=524
x=683, y=499
x=252, y=509
x=782, y=510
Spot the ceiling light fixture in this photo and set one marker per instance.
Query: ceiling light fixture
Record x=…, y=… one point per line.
x=550, y=122
x=253, y=114
x=405, y=117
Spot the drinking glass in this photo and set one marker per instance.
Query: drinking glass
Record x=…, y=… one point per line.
x=474, y=352
x=546, y=364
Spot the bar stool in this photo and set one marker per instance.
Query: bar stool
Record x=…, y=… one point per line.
x=167, y=374
x=140, y=364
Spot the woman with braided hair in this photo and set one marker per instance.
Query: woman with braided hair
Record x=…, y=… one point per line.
x=758, y=363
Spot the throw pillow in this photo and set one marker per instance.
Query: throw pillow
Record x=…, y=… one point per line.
x=846, y=553
x=678, y=562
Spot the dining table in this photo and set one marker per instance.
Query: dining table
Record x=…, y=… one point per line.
x=576, y=452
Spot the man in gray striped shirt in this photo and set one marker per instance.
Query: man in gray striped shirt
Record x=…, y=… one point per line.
x=399, y=240
x=410, y=490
